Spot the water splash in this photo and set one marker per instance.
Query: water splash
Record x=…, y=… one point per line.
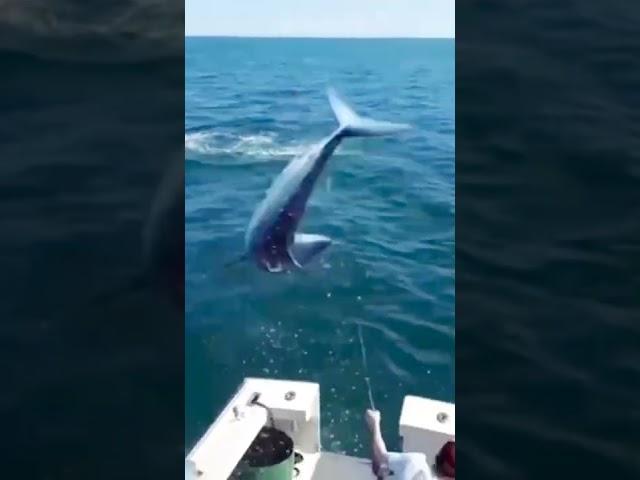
x=260, y=146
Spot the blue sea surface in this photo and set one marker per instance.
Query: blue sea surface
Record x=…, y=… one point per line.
x=252, y=105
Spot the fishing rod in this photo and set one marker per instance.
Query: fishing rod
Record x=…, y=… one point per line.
x=367, y=380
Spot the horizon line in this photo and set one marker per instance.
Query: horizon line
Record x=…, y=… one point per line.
x=318, y=37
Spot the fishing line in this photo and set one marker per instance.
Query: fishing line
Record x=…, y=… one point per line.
x=367, y=380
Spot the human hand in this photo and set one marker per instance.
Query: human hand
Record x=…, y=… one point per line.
x=372, y=417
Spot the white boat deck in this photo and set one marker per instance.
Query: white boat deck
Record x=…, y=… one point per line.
x=424, y=426
x=333, y=466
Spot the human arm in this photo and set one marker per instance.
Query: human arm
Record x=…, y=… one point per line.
x=380, y=455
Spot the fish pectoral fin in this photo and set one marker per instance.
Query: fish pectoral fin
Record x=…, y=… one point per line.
x=306, y=246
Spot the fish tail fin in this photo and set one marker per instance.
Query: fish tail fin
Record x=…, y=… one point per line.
x=353, y=125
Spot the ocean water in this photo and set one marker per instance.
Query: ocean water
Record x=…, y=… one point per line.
x=251, y=105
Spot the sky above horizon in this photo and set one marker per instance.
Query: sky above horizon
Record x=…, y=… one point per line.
x=321, y=18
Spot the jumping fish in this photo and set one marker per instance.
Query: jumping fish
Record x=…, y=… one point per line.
x=271, y=239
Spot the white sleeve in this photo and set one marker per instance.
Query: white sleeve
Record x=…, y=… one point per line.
x=409, y=466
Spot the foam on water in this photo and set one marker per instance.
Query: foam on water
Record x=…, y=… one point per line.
x=252, y=148
x=260, y=146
